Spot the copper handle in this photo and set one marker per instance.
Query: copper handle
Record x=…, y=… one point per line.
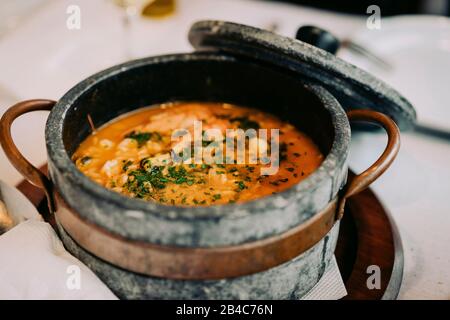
x=30, y=172
x=363, y=180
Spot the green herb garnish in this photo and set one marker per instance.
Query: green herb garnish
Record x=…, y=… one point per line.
x=126, y=165
x=140, y=179
x=241, y=185
x=142, y=137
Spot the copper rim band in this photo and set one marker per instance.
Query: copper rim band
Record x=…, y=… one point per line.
x=199, y=263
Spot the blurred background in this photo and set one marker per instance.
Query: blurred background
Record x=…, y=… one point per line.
x=390, y=7
x=10, y=10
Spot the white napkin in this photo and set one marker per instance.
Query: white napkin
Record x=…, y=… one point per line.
x=330, y=286
x=35, y=265
x=33, y=261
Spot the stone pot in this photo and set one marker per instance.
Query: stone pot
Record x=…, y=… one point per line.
x=275, y=247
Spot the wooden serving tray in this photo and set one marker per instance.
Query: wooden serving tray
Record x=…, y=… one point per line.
x=367, y=237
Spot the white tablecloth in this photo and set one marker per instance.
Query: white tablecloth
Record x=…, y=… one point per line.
x=42, y=59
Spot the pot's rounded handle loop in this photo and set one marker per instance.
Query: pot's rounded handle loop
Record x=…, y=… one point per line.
x=363, y=180
x=30, y=172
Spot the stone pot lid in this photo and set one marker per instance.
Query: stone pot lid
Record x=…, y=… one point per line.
x=353, y=87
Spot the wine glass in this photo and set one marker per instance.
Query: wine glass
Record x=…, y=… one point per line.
x=133, y=8
x=130, y=13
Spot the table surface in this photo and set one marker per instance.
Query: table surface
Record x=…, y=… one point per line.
x=41, y=58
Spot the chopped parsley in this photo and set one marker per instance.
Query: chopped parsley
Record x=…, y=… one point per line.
x=241, y=186
x=142, y=137
x=143, y=181
x=126, y=165
x=180, y=175
x=139, y=180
